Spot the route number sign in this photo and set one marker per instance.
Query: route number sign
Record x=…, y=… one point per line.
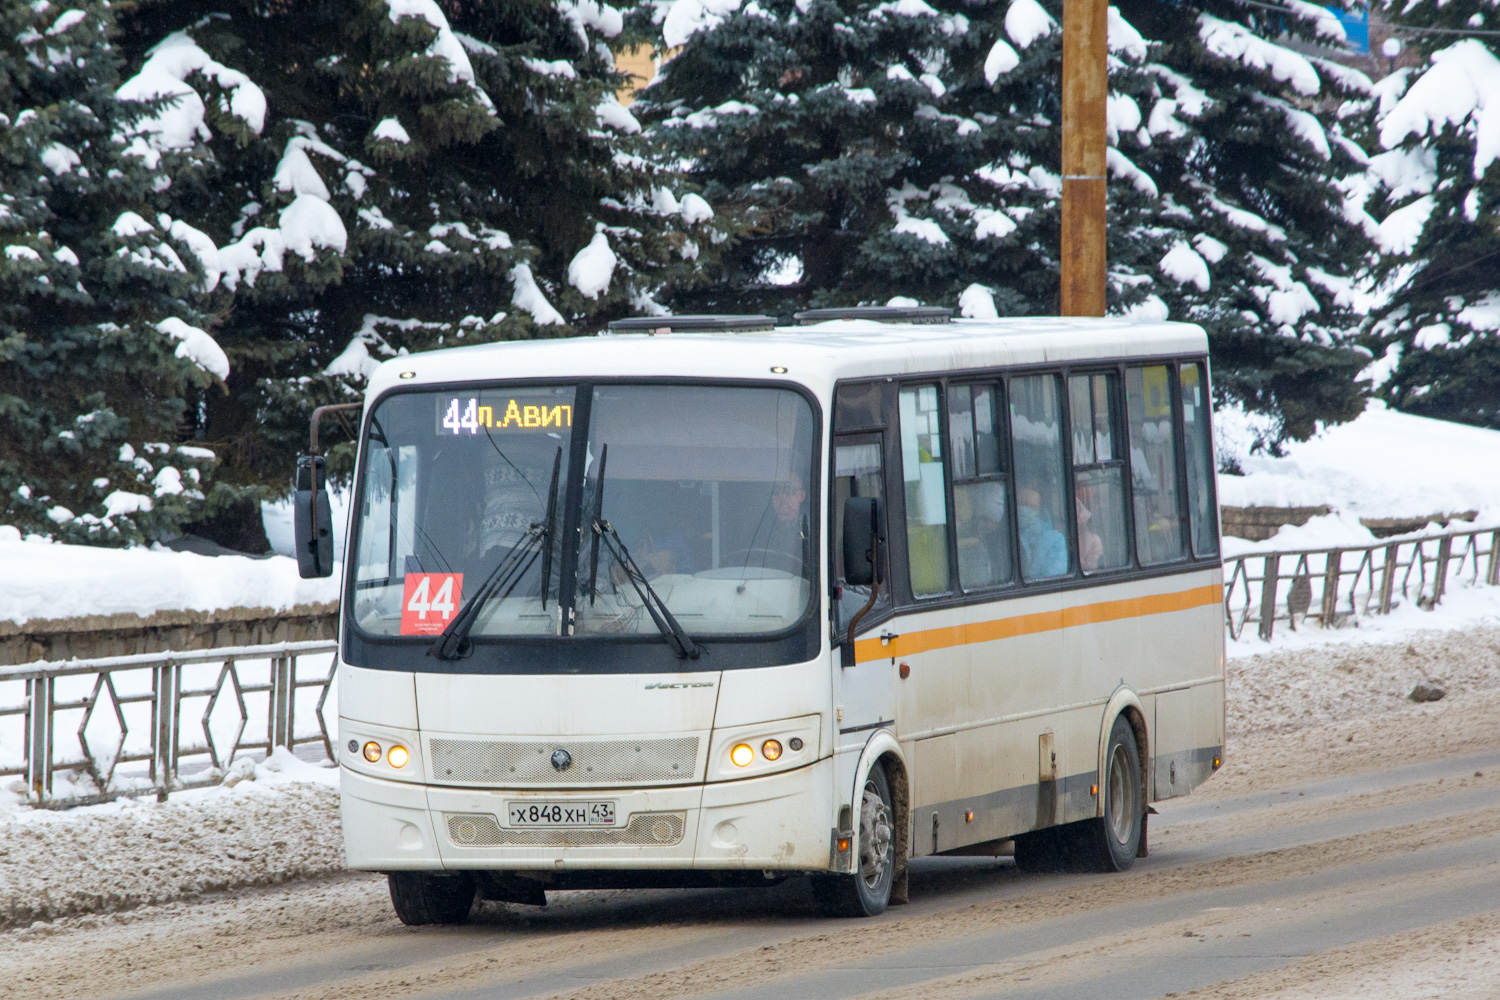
x=430, y=601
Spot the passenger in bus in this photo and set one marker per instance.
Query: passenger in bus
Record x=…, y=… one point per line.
x=1044, y=549
x=1090, y=545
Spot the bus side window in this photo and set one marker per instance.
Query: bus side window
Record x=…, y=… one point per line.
x=857, y=472
x=1153, y=464
x=926, y=491
x=1200, y=460
x=980, y=487
x=1098, y=473
x=1036, y=435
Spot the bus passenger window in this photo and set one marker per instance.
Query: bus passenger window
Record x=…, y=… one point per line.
x=1153, y=465
x=1098, y=473
x=926, y=492
x=1036, y=434
x=979, y=487
x=1200, y=460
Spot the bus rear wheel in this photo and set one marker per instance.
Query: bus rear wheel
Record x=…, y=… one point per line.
x=425, y=898
x=866, y=892
x=1115, y=838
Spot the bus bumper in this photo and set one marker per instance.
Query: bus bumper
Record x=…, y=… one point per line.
x=778, y=822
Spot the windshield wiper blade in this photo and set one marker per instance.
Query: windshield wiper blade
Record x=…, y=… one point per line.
x=596, y=519
x=668, y=625
x=551, y=513
x=454, y=642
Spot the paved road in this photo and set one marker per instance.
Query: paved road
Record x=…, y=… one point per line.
x=1234, y=887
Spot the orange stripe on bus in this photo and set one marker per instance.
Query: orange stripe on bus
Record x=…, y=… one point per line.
x=1045, y=621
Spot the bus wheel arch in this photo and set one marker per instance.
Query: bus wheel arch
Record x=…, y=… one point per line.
x=900, y=786
x=883, y=753
x=1124, y=702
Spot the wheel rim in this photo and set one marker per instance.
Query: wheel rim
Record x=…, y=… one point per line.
x=875, y=837
x=1121, y=807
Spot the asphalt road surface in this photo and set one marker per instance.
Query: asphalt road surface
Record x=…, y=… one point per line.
x=1381, y=881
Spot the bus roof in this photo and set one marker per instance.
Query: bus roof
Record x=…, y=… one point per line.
x=817, y=355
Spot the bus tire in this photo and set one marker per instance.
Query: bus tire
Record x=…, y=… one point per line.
x=866, y=892
x=424, y=898
x=1116, y=836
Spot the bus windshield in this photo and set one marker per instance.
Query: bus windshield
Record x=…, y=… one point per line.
x=704, y=488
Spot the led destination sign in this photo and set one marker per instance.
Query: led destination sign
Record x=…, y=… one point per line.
x=469, y=416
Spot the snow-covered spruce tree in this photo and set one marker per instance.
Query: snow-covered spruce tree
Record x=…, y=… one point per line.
x=1245, y=224
x=857, y=150
x=100, y=334
x=428, y=174
x=1435, y=187
x=862, y=149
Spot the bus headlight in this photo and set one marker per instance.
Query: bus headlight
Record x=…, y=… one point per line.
x=372, y=752
x=397, y=756
x=763, y=748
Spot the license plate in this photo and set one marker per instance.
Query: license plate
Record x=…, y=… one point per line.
x=561, y=813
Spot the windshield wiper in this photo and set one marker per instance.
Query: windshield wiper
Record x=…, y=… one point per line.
x=595, y=519
x=551, y=513
x=454, y=642
x=670, y=630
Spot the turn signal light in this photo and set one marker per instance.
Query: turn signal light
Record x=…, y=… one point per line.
x=397, y=756
x=771, y=749
x=372, y=752
x=742, y=755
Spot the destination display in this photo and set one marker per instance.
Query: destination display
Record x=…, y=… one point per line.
x=459, y=415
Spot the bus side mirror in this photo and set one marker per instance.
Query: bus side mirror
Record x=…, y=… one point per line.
x=861, y=531
x=312, y=519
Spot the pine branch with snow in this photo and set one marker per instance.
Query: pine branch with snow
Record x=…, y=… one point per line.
x=98, y=295
x=1431, y=198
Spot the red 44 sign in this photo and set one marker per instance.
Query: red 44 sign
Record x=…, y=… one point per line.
x=430, y=601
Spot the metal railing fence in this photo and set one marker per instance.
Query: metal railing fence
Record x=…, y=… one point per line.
x=1335, y=586
x=87, y=731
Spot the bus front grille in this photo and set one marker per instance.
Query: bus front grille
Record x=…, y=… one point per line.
x=657, y=829
x=603, y=762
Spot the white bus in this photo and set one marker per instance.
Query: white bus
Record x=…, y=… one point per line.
x=711, y=602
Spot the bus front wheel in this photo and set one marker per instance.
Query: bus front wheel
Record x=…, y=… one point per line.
x=867, y=891
x=425, y=898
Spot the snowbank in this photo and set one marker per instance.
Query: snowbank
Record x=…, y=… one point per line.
x=51, y=580
x=1381, y=464
x=280, y=824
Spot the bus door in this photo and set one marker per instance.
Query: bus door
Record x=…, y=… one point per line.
x=865, y=692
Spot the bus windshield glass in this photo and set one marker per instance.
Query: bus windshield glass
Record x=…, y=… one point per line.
x=704, y=488
x=707, y=488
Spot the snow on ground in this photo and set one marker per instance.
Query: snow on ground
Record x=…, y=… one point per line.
x=46, y=579
x=1382, y=464
x=277, y=824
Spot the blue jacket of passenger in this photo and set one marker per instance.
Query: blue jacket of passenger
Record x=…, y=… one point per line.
x=1044, y=549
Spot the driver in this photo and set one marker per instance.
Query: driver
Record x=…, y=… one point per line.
x=785, y=534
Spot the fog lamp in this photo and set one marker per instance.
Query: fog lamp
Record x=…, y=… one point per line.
x=372, y=752
x=771, y=749
x=397, y=756
x=742, y=755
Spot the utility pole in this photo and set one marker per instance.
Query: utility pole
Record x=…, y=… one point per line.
x=1084, y=91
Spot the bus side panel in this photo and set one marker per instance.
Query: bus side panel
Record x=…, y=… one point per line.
x=1190, y=737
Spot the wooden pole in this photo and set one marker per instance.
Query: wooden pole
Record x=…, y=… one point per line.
x=1085, y=89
